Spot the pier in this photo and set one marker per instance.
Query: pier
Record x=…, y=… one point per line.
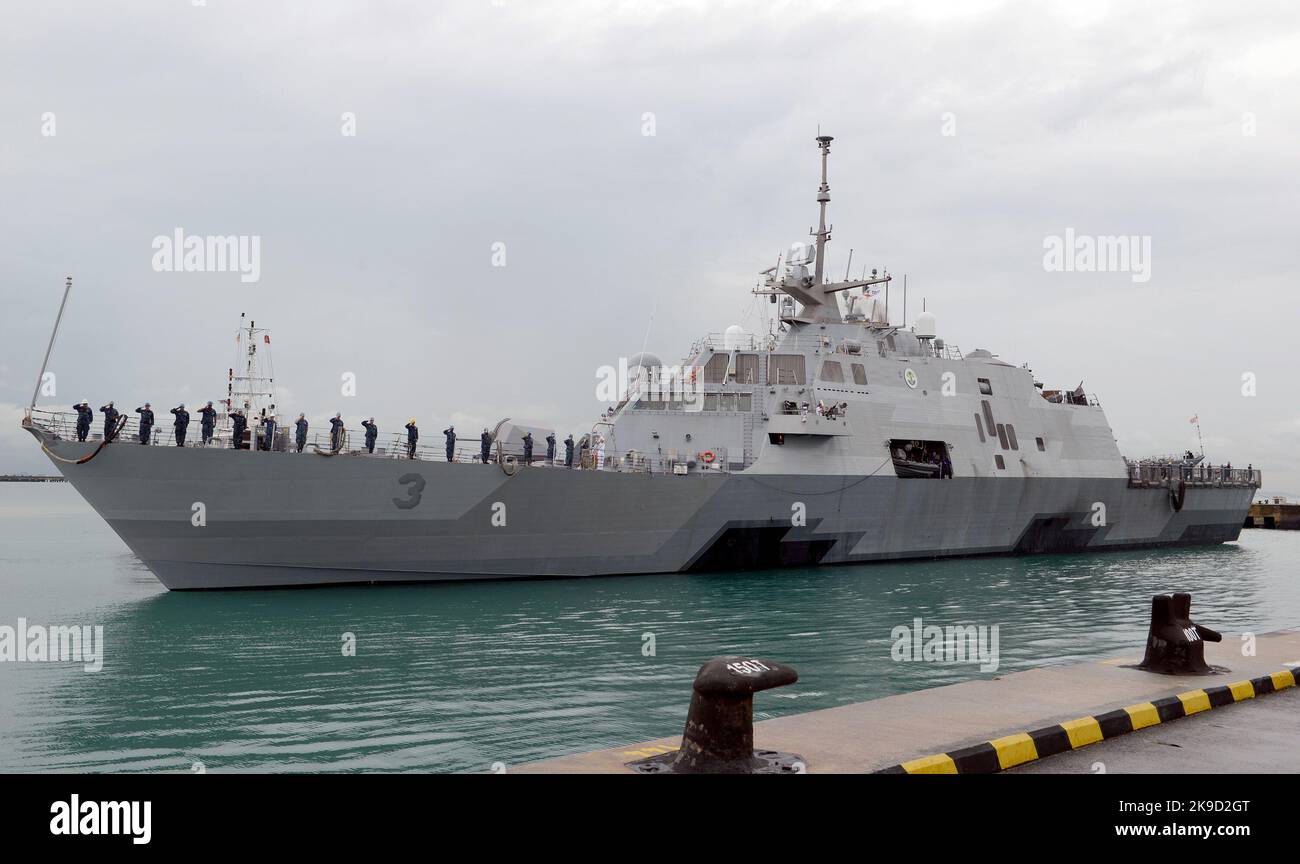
x=1026, y=717
x=32, y=478
x=1276, y=513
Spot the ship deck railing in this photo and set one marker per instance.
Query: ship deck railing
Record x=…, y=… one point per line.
x=787, y=343
x=1170, y=474
x=62, y=425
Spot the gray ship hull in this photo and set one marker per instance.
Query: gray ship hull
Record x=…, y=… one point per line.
x=276, y=519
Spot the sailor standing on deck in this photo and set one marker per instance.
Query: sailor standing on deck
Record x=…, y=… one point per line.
x=485, y=444
x=528, y=448
x=372, y=431
x=268, y=432
x=450, y=434
x=568, y=451
x=336, y=432
x=550, y=449
x=182, y=423
x=412, y=435
x=110, y=419
x=84, y=416
x=208, y=416
x=300, y=427
x=146, y=422
x=240, y=423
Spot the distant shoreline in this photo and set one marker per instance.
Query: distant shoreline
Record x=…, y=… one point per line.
x=32, y=478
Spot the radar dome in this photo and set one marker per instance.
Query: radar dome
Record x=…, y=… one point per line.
x=646, y=359
x=924, y=328
x=735, y=338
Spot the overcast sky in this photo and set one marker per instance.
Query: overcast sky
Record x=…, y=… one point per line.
x=967, y=133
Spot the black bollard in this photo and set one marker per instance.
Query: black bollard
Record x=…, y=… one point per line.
x=1176, y=646
x=719, y=734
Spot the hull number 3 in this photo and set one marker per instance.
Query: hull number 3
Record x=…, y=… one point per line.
x=414, y=484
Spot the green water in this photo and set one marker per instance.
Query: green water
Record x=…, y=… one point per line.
x=458, y=677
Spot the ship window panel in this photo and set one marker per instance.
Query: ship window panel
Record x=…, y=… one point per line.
x=832, y=371
x=1002, y=437
x=1041, y=445
x=859, y=375
x=785, y=369
x=715, y=371
x=776, y=437
x=744, y=402
x=979, y=427
x=747, y=368
x=710, y=401
x=1011, y=436
x=998, y=459
x=727, y=402
x=988, y=416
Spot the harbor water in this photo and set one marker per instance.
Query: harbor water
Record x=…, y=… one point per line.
x=477, y=676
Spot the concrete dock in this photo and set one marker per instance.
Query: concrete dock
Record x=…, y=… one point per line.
x=1277, y=513
x=920, y=728
x=1254, y=737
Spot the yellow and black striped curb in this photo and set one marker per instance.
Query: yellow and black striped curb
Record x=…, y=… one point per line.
x=1011, y=750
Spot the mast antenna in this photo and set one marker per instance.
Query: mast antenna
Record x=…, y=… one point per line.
x=823, y=198
x=67, y=287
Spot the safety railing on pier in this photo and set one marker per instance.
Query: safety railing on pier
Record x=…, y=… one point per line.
x=1167, y=474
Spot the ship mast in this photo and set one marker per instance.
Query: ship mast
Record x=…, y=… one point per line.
x=255, y=385
x=814, y=294
x=823, y=198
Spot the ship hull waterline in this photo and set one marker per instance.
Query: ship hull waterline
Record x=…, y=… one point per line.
x=207, y=518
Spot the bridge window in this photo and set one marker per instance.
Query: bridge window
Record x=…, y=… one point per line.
x=744, y=402
x=859, y=375
x=832, y=371
x=1011, y=436
x=985, y=387
x=1041, y=445
x=979, y=427
x=715, y=371
x=727, y=402
x=710, y=401
x=1002, y=437
x=998, y=459
x=746, y=368
x=988, y=416
x=785, y=369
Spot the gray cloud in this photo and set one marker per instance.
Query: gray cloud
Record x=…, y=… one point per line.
x=521, y=123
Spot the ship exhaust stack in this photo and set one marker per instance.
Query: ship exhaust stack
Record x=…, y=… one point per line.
x=719, y=735
x=1176, y=646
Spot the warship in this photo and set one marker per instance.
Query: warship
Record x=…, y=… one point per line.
x=834, y=438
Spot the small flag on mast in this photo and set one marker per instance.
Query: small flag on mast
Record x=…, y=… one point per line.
x=1196, y=418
